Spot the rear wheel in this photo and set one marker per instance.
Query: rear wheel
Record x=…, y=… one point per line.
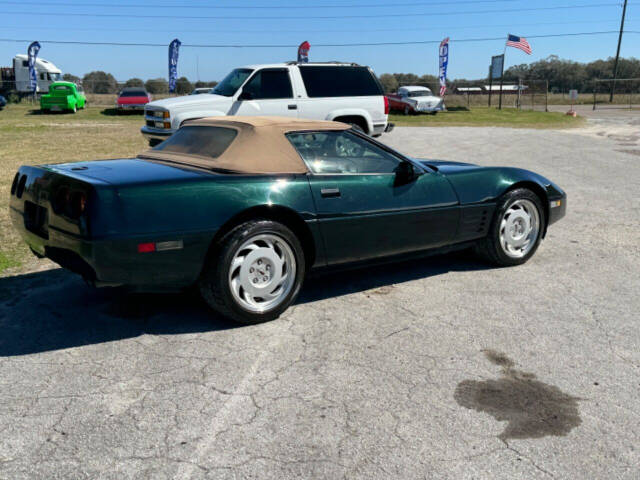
x=516, y=229
x=255, y=272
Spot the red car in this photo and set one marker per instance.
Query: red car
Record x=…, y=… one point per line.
x=133, y=98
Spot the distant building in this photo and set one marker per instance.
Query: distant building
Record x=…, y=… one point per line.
x=505, y=88
x=469, y=90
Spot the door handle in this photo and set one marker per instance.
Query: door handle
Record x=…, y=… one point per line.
x=330, y=192
x=292, y=107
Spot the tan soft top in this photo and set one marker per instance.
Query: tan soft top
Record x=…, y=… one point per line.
x=259, y=147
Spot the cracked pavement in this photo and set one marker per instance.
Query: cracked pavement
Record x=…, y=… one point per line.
x=377, y=373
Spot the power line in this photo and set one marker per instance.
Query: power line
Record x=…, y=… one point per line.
x=319, y=17
x=420, y=29
x=371, y=44
x=260, y=7
x=324, y=30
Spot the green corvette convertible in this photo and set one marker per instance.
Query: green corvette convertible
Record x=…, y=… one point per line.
x=245, y=207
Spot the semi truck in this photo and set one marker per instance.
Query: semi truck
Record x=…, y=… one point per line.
x=15, y=79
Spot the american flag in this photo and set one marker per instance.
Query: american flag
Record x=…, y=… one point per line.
x=519, y=42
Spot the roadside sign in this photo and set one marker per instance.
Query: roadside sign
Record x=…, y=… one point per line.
x=497, y=63
x=573, y=96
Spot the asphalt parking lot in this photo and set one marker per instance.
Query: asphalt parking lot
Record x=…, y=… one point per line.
x=435, y=369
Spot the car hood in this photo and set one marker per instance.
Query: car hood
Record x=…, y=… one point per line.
x=206, y=99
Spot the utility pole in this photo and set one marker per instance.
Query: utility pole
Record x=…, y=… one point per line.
x=615, y=64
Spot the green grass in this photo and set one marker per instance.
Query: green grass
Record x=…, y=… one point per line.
x=489, y=117
x=7, y=260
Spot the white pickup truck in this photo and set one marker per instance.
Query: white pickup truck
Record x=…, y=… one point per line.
x=344, y=92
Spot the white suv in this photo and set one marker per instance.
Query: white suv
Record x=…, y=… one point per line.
x=344, y=92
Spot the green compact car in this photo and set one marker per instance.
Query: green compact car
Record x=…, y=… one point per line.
x=245, y=207
x=63, y=96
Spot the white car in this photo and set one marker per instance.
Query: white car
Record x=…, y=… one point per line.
x=343, y=92
x=415, y=99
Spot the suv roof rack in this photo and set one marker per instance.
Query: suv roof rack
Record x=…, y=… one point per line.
x=335, y=62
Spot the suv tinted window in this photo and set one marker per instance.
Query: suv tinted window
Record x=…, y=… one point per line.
x=269, y=83
x=337, y=81
x=342, y=152
x=199, y=140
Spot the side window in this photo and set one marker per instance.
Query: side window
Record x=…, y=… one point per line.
x=339, y=81
x=269, y=83
x=342, y=152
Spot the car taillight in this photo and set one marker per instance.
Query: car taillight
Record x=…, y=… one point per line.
x=386, y=105
x=72, y=204
x=14, y=185
x=78, y=204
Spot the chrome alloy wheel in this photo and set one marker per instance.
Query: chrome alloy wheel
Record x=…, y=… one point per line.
x=262, y=273
x=519, y=228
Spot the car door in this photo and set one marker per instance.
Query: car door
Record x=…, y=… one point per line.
x=267, y=92
x=364, y=209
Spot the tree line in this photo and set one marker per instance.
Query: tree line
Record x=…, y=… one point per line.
x=103, y=82
x=562, y=75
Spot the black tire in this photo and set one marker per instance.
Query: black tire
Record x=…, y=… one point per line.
x=153, y=141
x=490, y=248
x=407, y=110
x=214, y=284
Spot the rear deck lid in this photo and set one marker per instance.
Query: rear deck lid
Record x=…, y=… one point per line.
x=127, y=171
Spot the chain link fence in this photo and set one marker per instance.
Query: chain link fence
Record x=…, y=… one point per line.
x=616, y=94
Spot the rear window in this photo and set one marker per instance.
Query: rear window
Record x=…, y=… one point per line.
x=199, y=140
x=134, y=93
x=60, y=89
x=339, y=81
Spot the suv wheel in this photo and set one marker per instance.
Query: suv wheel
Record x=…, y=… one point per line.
x=256, y=272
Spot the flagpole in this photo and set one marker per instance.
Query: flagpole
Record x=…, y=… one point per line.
x=504, y=56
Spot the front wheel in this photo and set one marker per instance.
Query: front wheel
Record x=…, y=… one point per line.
x=407, y=110
x=255, y=272
x=516, y=229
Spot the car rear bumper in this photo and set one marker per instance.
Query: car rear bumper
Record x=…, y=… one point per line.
x=131, y=106
x=111, y=262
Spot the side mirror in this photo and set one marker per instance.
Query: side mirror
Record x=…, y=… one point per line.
x=244, y=95
x=405, y=173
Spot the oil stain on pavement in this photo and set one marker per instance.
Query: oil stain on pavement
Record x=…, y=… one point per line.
x=533, y=409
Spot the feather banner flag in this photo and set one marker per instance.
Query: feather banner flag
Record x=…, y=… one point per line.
x=174, y=48
x=303, y=52
x=444, y=62
x=32, y=56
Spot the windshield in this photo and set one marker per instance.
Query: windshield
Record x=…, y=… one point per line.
x=55, y=76
x=420, y=93
x=134, y=93
x=232, y=82
x=60, y=90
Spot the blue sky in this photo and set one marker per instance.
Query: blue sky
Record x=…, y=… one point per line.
x=424, y=20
